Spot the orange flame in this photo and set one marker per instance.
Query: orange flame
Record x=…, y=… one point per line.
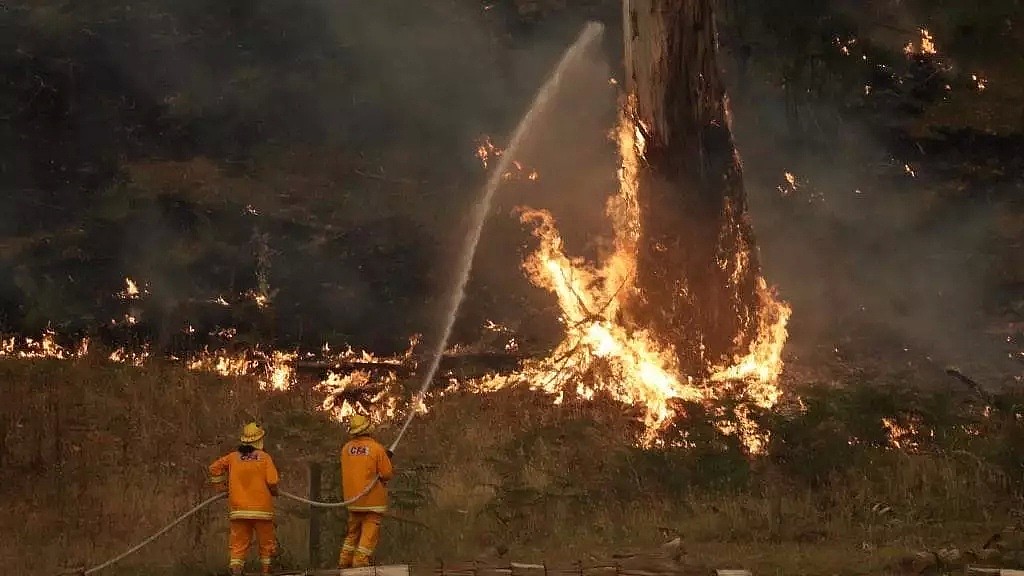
x=43, y=347
x=273, y=371
x=381, y=400
x=599, y=354
x=131, y=289
x=486, y=150
x=925, y=45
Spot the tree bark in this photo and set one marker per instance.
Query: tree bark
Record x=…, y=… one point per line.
x=697, y=275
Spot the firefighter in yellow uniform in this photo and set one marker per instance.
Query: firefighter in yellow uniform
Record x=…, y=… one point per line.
x=362, y=460
x=250, y=477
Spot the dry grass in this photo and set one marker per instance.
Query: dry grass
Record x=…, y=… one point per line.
x=97, y=456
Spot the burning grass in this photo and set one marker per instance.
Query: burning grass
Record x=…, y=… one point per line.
x=96, y=454
x=600, y=355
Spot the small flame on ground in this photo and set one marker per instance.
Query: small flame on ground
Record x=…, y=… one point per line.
x=486, y=150
x=135, y=358
x=790, y=186
x=261, y=300
x=43, y=347
x=925, y=45
x=902, y=436
x=131, y=290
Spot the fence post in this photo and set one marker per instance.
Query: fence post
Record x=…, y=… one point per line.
x=314, y=515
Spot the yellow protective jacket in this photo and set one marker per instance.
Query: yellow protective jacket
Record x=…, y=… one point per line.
x=362, y=459
x=250, y=479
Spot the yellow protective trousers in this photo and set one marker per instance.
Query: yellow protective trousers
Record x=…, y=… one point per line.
x=241, y=538
x=360, y=539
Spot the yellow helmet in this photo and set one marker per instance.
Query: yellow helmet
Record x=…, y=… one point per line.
x=252, y=433
x=359, y=424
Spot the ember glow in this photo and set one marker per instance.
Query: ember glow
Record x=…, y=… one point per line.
x=844, y=46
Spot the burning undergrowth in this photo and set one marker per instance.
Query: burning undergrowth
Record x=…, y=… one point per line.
x=600, y=355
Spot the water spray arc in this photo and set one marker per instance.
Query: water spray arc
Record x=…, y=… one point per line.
x=590, y=34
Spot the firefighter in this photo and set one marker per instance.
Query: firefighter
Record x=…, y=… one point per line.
x=250, y=478
x=362, y=460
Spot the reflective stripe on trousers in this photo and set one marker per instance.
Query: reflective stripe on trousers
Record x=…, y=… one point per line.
x=361, y=539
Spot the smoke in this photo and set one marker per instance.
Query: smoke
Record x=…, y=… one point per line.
x=572, y=163
x=879, y=260
x=343, y=132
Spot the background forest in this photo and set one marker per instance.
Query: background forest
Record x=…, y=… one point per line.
x=322, y=155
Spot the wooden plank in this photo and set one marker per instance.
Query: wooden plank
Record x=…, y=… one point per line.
x=980, y=571
x=386, y=570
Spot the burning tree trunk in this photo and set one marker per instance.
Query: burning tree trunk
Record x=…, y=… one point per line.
x=698, y=277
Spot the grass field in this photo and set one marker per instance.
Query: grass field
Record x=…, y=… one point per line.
x=96, y=456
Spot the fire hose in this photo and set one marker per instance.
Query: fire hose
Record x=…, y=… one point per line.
x=159, y=533
x=412, y=413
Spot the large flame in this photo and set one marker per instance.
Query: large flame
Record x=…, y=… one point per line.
x=600, y=354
